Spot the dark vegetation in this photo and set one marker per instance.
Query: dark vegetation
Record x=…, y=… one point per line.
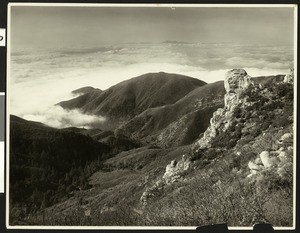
x=47, y=164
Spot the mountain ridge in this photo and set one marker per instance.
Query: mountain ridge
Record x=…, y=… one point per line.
x=133, y=96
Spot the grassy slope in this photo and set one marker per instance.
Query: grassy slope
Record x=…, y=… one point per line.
x=133, y=96
x=179, y=123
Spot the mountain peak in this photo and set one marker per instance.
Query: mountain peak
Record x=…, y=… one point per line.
x=84, y=90
x=131, y=97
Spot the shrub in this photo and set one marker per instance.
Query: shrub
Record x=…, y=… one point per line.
x=285, y=90
x=205, y=201
x=281, y=121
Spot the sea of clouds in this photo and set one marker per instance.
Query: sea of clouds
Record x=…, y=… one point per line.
x=39, y=79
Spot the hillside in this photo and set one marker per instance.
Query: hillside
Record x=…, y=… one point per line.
x=131, y=97
x=157, y=104
x=240, y=170
x=46, y=164
x=179, y=123
x=223, y=152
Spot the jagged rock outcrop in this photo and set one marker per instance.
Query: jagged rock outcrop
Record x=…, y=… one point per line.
x=174, y=172
x=287, y=138
x=236, y=81
x=289, y=78
x=152, y=192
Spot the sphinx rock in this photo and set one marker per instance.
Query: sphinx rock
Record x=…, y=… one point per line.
x=236, y=81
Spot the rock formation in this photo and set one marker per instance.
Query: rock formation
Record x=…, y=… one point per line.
x=151, y=192
x=287, y=138
x=289, y=78
x=174, y=172
x=268, y=160
x=278, y=160
x=236, y=81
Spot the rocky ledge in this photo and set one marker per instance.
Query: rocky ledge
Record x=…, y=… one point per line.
x=236, y=82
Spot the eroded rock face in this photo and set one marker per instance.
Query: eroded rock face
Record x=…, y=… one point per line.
x=175, y=169
x=174, y=172
x=220, y=121
x=236, y=81
x=289, y=78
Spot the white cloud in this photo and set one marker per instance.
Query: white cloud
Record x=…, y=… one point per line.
x=59, y=118
x=41, y=79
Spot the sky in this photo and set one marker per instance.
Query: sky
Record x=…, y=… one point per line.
x=55, y=50
x=62, y=27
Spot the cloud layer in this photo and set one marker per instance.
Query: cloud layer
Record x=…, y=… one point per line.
x=40, y=79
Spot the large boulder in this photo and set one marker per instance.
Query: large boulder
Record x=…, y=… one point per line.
x=287, y=138
x=289, y=78
x=174, y=170
x=253, y=166
x=237, y=80
x=267, y=160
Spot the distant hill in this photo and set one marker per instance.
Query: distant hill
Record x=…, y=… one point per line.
x=179, y=123
x=162, y=98
x=131, y=97
x=84, y=90
x=15, y=120
x=267, y=80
